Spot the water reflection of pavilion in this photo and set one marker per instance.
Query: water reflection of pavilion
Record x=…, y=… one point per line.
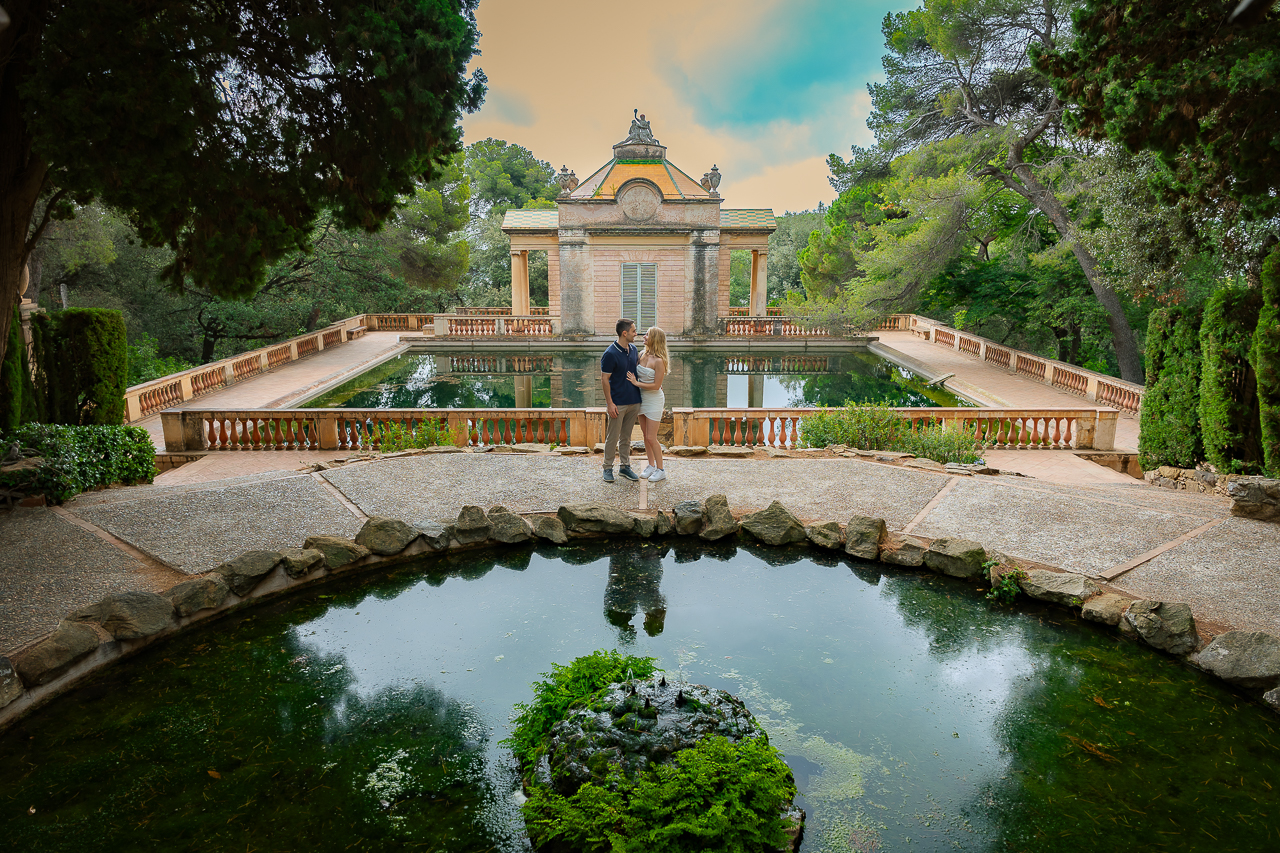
x=574, y=381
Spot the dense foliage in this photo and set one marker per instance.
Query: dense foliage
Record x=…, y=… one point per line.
x=1180, y=78
x=563, y=688
x=79, y=458
x=716, y=796
x=1229, y=425
x=88, y=367
x=15, y=379
x=1170, y=420
x=879, y=427
x=1265, y=357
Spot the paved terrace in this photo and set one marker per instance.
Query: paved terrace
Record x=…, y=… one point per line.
x=1067, y=511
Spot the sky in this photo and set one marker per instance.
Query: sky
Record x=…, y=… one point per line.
x=763, y=89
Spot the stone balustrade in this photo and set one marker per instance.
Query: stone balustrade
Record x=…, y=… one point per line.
x=1095, y=387
x=773, y=326
x=150, y=397
x=361, y=429
x=195, y=430
x=498, y=311
x=999, y=428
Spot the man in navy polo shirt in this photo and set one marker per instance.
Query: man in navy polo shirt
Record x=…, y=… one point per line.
x=621, y=398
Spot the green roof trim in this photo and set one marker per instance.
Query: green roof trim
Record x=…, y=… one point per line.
x=638, y=162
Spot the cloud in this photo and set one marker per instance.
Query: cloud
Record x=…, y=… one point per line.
x=508, y=107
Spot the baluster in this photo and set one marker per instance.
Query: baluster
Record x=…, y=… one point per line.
x=212, y=433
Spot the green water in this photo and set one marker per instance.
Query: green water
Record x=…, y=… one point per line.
x=781, y=379
x=366, y=715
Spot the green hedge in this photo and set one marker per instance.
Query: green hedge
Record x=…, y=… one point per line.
x=1265, y=356
x=1169, y=431
x=89, y=369
x=15, y=381
x=877, y=426
x=1229, y=422
x=79, y=458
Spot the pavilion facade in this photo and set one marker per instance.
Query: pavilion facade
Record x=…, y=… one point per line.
x=642, y=239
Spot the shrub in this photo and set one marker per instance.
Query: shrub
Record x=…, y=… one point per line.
x=1169, y=430
x=86, y=365
x=395, y=437
x=78, y=458
x=1265, y=357
x=16, y=391
x=879, y=427
x=715, y=796
x=1229, y=425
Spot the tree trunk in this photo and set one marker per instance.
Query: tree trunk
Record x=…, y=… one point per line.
x=22, y=173
x=1044, y=199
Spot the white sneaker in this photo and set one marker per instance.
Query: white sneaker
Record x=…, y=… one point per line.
x=648, y=469
x=657, y=475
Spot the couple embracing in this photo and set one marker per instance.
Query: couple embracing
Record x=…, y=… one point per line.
x=632, y=384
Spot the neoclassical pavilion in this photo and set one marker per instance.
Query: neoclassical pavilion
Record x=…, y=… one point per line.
x=639, y=238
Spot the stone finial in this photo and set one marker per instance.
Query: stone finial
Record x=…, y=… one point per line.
x=714, y=176
x=567, y=180
x=706, y=181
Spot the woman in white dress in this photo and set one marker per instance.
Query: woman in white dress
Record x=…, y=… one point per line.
x=652, y=369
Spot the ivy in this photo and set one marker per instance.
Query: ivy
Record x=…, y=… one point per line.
x=78, y=458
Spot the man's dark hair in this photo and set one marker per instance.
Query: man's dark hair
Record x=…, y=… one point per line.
x=623, y=325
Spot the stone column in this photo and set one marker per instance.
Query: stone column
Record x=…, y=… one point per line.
x=524, y=392
x=577, y=299
x=759, y=282
x=553, y=281
x=519, y=282
x=755, y=391
x=702, y=283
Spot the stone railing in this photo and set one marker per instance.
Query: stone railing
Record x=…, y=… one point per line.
x=1005, y=429
x=1095, y=387
x=742, y=311
x=784, y=327
x=399, y=322
x=361, y=429
x=195, y=430
x=500, y=311
x=496, y=326
x=150, y=397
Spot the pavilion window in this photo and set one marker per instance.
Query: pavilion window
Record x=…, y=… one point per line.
x=640, y=294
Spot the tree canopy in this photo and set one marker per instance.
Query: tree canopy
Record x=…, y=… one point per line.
x=1179, y=78
x=224, y=130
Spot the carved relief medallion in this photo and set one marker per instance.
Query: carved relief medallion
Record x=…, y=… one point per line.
x=639, y=202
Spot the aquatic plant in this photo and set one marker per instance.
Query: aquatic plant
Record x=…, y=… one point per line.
x=1005, y=588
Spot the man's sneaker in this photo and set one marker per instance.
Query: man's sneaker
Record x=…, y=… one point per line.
x=626, y=471
x=648, y=469
x=657, y=475
x=608, y=475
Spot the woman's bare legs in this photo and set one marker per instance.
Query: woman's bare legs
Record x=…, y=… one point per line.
x=652, y=448
x=649, y=430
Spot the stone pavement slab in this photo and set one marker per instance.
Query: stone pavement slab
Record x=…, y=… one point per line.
x=48, y=566
x=1059, y=466
x=437, y=486
x=1080, y=533
x=196, y=530
x=1232, y=572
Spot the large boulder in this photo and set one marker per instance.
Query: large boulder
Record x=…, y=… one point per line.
x=862, y=537
x=551, y=528
x=1272, y=698
x=509, y=528
x=128, y=615
x=199, y=594
x=1255, y=497
x=717, y=521
x=1249, y=659
x=1106, y=608
x=774, y=525
x=300, y=562
x=688, y=517
x=590, y=519
x=244, y=572
x=472, y=526
x=1066, y=588
x=958, y=558
x=386, y=536
x=435, y=535
x=663, y=525
x=902, y=551
x=1162, y=625
x=10, y=683
x=825, y=535
x=55, y=654
x=338, y=552
x=645, y=527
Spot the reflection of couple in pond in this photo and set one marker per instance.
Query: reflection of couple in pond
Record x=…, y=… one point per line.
x=634, y=581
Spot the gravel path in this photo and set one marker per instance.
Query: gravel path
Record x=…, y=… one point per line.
x=49, y=566
x=193, y=531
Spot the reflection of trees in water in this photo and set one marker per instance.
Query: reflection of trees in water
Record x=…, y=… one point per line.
x=635, y=575
x=864, y=378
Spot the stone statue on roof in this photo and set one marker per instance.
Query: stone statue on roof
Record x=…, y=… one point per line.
x=640, y=131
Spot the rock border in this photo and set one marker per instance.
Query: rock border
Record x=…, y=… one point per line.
x=122, y=624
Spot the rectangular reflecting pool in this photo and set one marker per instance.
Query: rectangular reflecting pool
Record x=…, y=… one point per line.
x=465, y=379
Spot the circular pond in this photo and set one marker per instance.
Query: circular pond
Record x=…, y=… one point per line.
x=366, y=714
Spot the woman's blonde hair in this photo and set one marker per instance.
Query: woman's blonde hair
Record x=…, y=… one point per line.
x=658, y=346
